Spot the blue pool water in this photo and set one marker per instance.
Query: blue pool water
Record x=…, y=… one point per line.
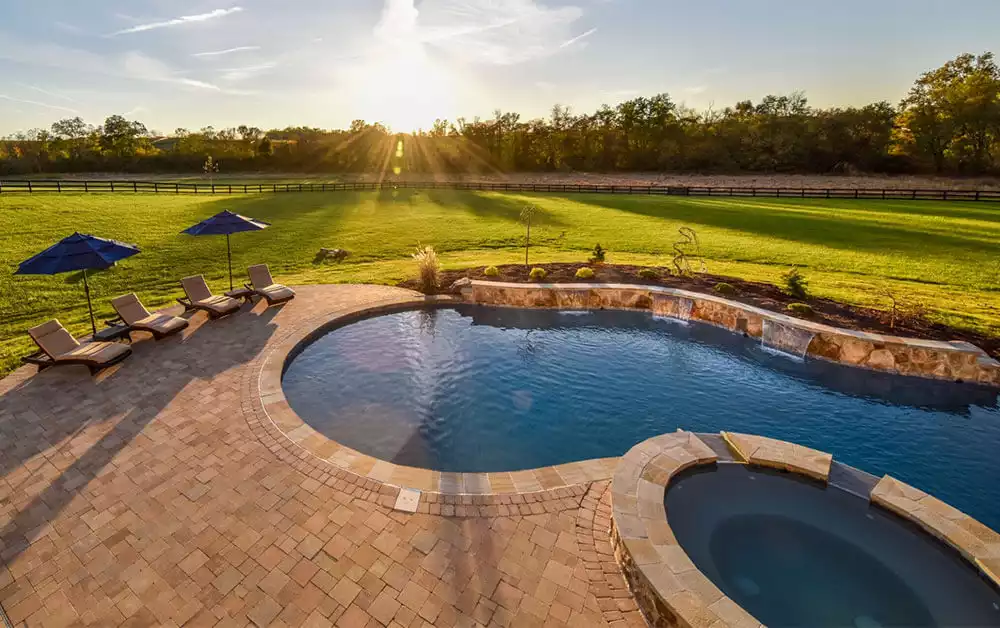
x=476, y=388
x=797, y=553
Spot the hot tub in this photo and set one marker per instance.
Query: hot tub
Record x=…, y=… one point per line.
x=742, y=530
x=795, y=552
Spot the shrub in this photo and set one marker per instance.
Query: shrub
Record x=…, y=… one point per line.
x=802, y=309
x=537, y=274
x=795, y=284
x=597, y=257
x=724, y=288
x=491, y=271
x=585, y=273
x=428, y=268
x=648, y=273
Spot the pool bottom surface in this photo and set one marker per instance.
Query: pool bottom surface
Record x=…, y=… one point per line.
x=795, y=553
x=487, y=389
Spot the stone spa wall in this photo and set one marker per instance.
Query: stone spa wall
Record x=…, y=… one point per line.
x=955, y=361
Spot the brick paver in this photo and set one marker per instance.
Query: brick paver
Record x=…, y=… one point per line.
x=152, y=495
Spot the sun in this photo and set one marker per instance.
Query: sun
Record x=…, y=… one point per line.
x=405, y=90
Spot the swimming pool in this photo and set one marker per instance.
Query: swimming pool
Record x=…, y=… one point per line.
x=478, y=388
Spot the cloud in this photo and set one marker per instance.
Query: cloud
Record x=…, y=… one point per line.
x=67, y=27
x=37, y=103
x=140, y=66
x=219, y=53
x=695, y=90
x=178, y=21
x=498, y=32
x=578, y=38
x=49, y=93
x=240, y=74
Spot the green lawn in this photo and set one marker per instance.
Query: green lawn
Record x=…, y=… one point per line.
x=944, y=255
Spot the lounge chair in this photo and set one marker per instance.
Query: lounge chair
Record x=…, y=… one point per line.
x=59, y=347
x=199, y=297
x=262, y=284
x=131, y=312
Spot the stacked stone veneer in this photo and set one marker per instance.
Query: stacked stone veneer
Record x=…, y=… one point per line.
x=907, y=356
x=673, y=592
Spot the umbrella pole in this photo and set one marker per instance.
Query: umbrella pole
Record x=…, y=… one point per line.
x=90, y=308
x=229, y=254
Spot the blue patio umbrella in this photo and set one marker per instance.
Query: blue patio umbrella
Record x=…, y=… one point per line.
x=79, y=251
x=226, y=223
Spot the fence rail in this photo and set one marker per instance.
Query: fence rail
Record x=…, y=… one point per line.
x=164, y=187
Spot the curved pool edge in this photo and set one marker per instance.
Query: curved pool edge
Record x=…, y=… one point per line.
x=671, y=591
x=934, y=359
x=529, y=491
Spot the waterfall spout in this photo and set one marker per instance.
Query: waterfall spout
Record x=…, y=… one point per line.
x=785, y=339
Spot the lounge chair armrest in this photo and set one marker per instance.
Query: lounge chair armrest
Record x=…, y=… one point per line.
x=249, y=287
x=114, y=322
x=38, y=357
x=186, y=302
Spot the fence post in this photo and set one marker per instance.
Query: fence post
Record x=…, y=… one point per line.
x=777, y=192
x=977, y=195
x=85, y=186
x=58, y=186
x=112, y=186
x=856, y=191
x=914, y=194
x=828, y=193
x=944, y=196
x=244, y=188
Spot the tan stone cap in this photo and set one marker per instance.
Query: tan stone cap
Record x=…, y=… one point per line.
x=768, y=452
x=646, y=546
x=977, y=543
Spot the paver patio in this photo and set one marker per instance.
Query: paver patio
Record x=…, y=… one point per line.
x=145, y=496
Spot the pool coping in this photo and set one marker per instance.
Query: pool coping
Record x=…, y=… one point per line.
x=537, y=485
x=936, y=359
x=668, y=587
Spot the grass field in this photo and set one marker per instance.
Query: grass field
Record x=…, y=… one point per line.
x=945, y=256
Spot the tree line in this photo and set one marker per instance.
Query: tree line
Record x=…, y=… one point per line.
x=949, y=122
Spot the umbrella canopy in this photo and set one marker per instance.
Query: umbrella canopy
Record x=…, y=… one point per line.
x=226, y=223
x=79, y=251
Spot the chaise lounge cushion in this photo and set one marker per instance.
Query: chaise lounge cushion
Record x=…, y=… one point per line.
x=131, y=310
x=95, y=352
x=202, y=298
x=55, y=341
x=263, y=284
x=161, y=324
x=276, y=292
x=218, y=303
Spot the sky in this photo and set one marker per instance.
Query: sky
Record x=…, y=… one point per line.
x=276, y=63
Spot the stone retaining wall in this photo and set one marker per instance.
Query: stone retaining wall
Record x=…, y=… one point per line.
x=954, y=361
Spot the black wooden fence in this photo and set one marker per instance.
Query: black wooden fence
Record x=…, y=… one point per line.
x=164, y=187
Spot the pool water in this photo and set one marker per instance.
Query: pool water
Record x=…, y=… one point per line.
x=477, y=388
x=793, y=552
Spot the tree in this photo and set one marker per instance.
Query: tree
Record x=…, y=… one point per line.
x=527, y=213
x=954, y=112
x=73, y=135
x=121, y=137
x=210, y=167
x=264, y=148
